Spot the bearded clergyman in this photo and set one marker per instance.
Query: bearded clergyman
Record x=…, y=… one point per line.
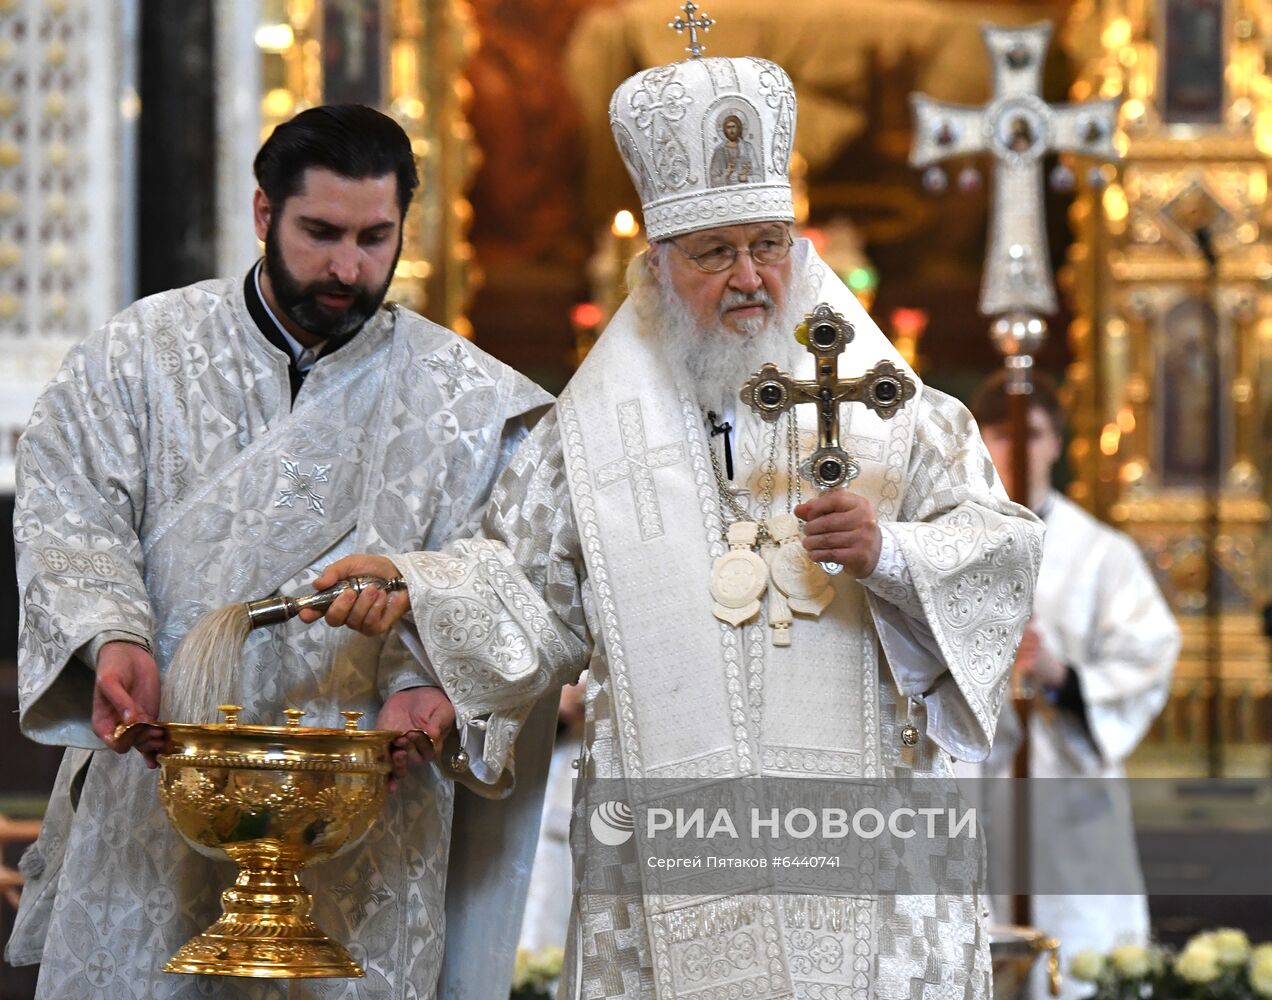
x=215, y=444
x=619, y=539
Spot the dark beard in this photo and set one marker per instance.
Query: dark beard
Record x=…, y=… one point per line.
x=300, y=304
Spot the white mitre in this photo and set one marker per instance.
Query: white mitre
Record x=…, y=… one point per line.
x=707, y=142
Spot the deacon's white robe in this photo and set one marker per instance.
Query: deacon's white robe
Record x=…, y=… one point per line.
x=166, y=472
x=596, y=552
x=1099, y=610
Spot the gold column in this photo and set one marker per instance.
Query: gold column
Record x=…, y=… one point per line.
x=432, y=40
x=1142, y=287
x=428, y=43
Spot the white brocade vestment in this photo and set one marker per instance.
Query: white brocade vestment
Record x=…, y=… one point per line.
x=166, y=472
x=596, y=551
x=1099, y=611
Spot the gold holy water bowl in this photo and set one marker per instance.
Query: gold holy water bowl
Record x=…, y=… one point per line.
x=274, y=799
x=1014, y=951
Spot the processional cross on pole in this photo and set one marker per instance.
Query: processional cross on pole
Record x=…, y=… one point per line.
x=1019, y=128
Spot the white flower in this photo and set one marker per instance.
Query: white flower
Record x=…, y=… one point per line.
x=1232, y=946
x=1131, y=960
x=1087, y=965
x=521, y=969
x=1204, y=938
x=1199, y=961
x=546, y=965
x=1261, y=970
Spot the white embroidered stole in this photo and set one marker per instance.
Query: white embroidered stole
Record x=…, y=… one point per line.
x=289, y=496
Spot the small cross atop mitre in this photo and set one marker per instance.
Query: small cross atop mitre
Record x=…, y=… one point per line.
x=693, y=25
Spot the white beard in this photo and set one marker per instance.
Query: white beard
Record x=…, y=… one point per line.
x=714, y=362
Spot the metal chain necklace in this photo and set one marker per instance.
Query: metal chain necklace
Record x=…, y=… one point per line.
x=729, y=502
x=740, y=576
x=794, y=481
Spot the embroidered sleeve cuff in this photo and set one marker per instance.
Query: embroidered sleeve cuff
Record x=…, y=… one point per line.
x=464, y=759
x=404, y=681
x=409, y=668
x=88, y=652
x=891, y=578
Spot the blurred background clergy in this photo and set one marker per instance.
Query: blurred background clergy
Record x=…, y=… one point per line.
x=127, y=131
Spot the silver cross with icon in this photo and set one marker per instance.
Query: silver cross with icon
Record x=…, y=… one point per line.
x=1019, y=128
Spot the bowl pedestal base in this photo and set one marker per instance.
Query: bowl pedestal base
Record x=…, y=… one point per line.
x=265, y=932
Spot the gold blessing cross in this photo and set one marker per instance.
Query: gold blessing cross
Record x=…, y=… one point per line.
x=770, y=392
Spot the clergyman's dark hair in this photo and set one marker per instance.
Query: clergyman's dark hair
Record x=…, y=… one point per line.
x=351, y=140
x=990, y=405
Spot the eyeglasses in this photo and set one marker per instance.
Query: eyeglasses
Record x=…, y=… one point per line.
x=766, y=250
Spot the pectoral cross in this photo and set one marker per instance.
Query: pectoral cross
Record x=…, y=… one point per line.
x=770, y=392
x=692, y=24
x=1018, y=127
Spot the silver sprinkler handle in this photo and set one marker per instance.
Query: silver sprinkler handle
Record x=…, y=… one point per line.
x=281, y=608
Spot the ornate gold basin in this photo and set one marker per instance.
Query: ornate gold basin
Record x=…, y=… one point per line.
x=274, y=799
x=1013, y=951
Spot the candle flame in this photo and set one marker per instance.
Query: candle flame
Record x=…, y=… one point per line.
x=625, y=225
